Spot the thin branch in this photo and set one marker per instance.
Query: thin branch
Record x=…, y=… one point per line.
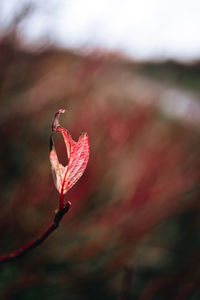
x=21, y=252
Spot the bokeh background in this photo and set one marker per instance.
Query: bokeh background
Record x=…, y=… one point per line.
x=133, y=229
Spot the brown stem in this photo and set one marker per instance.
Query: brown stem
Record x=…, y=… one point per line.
x=21, y=252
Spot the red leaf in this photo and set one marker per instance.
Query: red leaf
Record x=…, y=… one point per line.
x=78, y=154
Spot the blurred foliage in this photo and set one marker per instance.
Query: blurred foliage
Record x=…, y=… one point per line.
x=185, y=75
x=133, y=229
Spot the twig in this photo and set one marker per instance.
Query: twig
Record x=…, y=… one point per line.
x=21, y=252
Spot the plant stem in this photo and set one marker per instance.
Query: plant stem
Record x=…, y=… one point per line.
x=21, y=252
x=61, y=201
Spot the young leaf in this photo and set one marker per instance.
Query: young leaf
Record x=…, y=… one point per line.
x=78, y=154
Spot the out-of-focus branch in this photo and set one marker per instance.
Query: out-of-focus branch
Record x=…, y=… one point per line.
x=21, y=252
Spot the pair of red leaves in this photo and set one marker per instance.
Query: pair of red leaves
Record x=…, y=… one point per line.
x=78, y=154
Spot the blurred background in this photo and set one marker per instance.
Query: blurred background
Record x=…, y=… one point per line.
x=129, y=75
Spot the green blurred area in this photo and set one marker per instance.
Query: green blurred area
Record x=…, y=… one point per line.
x=133, y=229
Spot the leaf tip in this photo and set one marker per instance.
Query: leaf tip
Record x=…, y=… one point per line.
x=55, y=123
x=61, y=111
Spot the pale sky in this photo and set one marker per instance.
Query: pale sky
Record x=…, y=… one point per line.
x=142, y=29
